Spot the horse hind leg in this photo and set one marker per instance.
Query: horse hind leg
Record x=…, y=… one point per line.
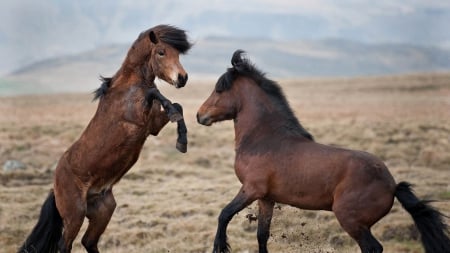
x=360, y=232
x=99, y=212
x=73, y=211
x=368, y=243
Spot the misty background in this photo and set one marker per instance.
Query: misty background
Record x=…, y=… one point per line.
x=64, y=45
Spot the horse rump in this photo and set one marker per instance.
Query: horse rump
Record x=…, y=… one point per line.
x=46, y=234
x=428, y=220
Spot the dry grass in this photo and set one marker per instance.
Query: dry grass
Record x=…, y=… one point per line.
x=169, y=202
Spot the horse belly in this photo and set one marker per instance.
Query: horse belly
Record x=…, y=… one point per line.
x=304, y=188
x=115, y=168
x=303, y=198
x=101, y=166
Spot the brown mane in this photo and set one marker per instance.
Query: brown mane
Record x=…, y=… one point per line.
x=243, y=67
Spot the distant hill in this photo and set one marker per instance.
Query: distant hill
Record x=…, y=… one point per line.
x=210, y=57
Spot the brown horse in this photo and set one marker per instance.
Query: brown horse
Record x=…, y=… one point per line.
x=129, y=111
x=277, y=160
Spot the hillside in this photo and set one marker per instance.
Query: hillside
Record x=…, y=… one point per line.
x=210, y=57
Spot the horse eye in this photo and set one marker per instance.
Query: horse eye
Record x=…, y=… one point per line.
x=161, y=53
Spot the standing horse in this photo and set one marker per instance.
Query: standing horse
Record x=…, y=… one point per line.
x=129, y=111
x=277, y=160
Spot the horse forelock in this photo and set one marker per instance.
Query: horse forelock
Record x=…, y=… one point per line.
x=241, y=66
x=173, y=36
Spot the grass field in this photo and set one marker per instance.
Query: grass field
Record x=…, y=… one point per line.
x=169, y=202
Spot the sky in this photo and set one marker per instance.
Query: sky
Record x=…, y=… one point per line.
x=34, y=30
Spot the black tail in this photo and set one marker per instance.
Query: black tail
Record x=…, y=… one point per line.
x=429, y=221
x=46, y=234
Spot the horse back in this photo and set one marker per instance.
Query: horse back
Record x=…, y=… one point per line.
x=353, y=167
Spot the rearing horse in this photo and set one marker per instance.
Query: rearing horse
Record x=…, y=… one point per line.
x=277, y=160
x=129, y=110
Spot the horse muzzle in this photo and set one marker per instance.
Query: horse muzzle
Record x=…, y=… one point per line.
x=181, y=81
x=204, y=120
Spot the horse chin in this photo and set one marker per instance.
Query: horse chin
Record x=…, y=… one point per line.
x=207, y=123
x=175, y=84
x=178, y=82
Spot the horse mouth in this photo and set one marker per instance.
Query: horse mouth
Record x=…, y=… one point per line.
x=204, y=120
x=181, y=81
x=177, y=84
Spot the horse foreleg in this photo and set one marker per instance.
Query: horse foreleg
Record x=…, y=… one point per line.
x=264, y=218
x=173, y=114
x=242, y=199
x=159, y=119
x=181, y=130
x=99, y=212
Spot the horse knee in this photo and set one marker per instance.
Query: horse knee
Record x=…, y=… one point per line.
x=110, y=201
x=224, y=216
x=178, y=107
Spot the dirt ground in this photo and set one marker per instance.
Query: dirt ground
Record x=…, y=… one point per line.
x=169, y=202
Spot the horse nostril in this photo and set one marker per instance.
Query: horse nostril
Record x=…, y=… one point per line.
x=182, y=79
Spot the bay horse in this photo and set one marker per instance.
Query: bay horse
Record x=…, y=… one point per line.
x=129, y=110
x=277, y=160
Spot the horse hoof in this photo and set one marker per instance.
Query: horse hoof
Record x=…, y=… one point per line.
x=182, y=147
x=174, y=117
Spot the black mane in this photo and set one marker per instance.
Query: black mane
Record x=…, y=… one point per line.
x=243, y=67
x=173, y=36
x=103, y=89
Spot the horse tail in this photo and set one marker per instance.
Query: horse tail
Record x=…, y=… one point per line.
x=48, y=231
x=428, y=220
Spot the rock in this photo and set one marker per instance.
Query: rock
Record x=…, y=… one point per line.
x=13, y=165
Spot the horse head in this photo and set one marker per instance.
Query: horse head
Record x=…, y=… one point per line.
x=156, y=54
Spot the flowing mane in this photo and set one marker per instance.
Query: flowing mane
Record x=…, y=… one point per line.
x=174, y=37
x=101, y=91
x=243, y=67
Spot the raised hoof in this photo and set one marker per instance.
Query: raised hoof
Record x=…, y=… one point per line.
x=182, y=147
x=174, y=117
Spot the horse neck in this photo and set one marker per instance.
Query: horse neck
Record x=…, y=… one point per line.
x=258, y=115
x=135, y=67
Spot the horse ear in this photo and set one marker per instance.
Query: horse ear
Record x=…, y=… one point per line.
x=153, y=37
x=237, y=58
